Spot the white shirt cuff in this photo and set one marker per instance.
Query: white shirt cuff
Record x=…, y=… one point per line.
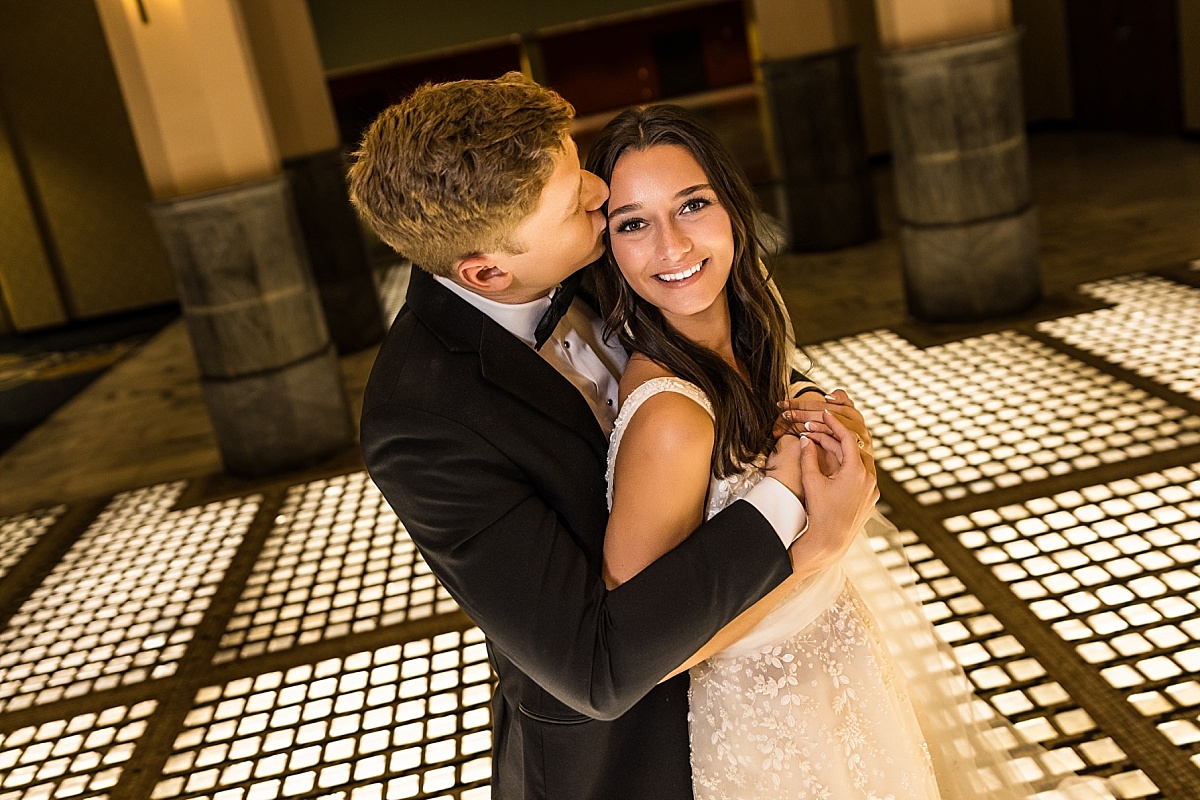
x=782, y=509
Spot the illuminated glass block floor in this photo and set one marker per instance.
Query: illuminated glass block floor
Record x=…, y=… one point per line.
x=19, y=533
x=993, y=412
x=1114, y=569
x=291, y=642
x=337, y=562
x=1146, y=331
x=82, y=756
x=124, y=601
x=1011, y=682
x=402, y=721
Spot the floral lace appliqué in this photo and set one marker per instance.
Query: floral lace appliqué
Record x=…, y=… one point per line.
x=819, y=715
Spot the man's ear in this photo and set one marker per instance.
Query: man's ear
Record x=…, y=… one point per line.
x=480, y=273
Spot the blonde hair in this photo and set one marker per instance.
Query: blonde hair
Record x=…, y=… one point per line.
x=449, y=171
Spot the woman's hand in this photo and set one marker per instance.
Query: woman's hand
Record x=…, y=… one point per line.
x=806, y=414
x=839, y=503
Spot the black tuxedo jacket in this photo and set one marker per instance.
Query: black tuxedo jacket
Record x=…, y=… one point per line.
x=495, y=464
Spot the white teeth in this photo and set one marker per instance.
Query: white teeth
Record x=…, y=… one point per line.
x=678, y=276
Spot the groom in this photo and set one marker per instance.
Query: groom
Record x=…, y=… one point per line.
x=485, y=427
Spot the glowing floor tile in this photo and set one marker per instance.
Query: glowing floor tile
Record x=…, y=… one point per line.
x=122, y=604
x=19, y=533
x=337, y=562
x=1012, y=683
x=78, y=757
x=1153, y=329
x=993, y=412
x=403, y=721
x=1115, y=570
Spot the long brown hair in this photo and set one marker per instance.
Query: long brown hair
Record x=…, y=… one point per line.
x=745, y=409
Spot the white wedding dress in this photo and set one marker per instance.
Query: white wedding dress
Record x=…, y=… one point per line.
x=817, y=702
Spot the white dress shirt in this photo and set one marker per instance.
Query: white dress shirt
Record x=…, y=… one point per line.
x=579, y=352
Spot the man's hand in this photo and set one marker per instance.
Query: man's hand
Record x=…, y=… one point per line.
x=784, y=464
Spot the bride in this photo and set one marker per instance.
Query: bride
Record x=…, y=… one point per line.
x=824, y=689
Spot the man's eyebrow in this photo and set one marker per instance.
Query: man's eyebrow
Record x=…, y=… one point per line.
x=613, y=212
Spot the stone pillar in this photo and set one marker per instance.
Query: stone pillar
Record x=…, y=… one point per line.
x=288, y=62
x=968, y=227
x=809, y=74
x=269, y=373
x=271, y=380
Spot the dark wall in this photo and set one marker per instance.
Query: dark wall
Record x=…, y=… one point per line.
x=603, y=65
x=1125, y=67
x=609, y=66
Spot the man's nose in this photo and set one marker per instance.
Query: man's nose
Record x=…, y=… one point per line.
x=595, y=191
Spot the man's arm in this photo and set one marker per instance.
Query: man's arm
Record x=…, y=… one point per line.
x=502, y=552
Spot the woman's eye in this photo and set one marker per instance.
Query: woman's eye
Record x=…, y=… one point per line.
x=695, y=204
x=630, y=225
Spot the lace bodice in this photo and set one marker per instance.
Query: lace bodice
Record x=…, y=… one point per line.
x=721, y=491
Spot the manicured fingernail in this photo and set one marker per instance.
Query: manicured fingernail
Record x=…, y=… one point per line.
x=803, y=440
x=808, y=426
x=787, y=415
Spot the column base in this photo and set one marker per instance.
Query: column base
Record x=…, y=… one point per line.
x=967, y=226
x=281, y=420
x=269, y=374
x=971, y=271
x=957, y=130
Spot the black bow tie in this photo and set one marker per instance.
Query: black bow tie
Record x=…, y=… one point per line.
x=559, y=304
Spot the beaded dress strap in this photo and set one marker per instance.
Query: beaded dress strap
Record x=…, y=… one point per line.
x=634, y=401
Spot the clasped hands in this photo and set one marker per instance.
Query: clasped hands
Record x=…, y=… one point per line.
x=823, y=454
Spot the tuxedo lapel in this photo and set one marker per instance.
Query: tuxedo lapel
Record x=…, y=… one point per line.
x=512, y=366
x=505, y=361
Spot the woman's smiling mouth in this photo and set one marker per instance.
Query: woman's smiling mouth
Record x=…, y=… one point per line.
x=671, y=277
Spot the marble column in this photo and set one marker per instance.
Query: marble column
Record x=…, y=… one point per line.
x=292, y=81
x=968, y=227
x=268, y=370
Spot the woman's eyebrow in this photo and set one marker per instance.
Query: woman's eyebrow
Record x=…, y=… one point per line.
x=692, y=189
x=613, y=212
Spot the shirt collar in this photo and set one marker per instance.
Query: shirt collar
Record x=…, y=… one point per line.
x=519, y=319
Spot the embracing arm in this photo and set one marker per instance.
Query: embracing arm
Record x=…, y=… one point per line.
x=498, y=546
